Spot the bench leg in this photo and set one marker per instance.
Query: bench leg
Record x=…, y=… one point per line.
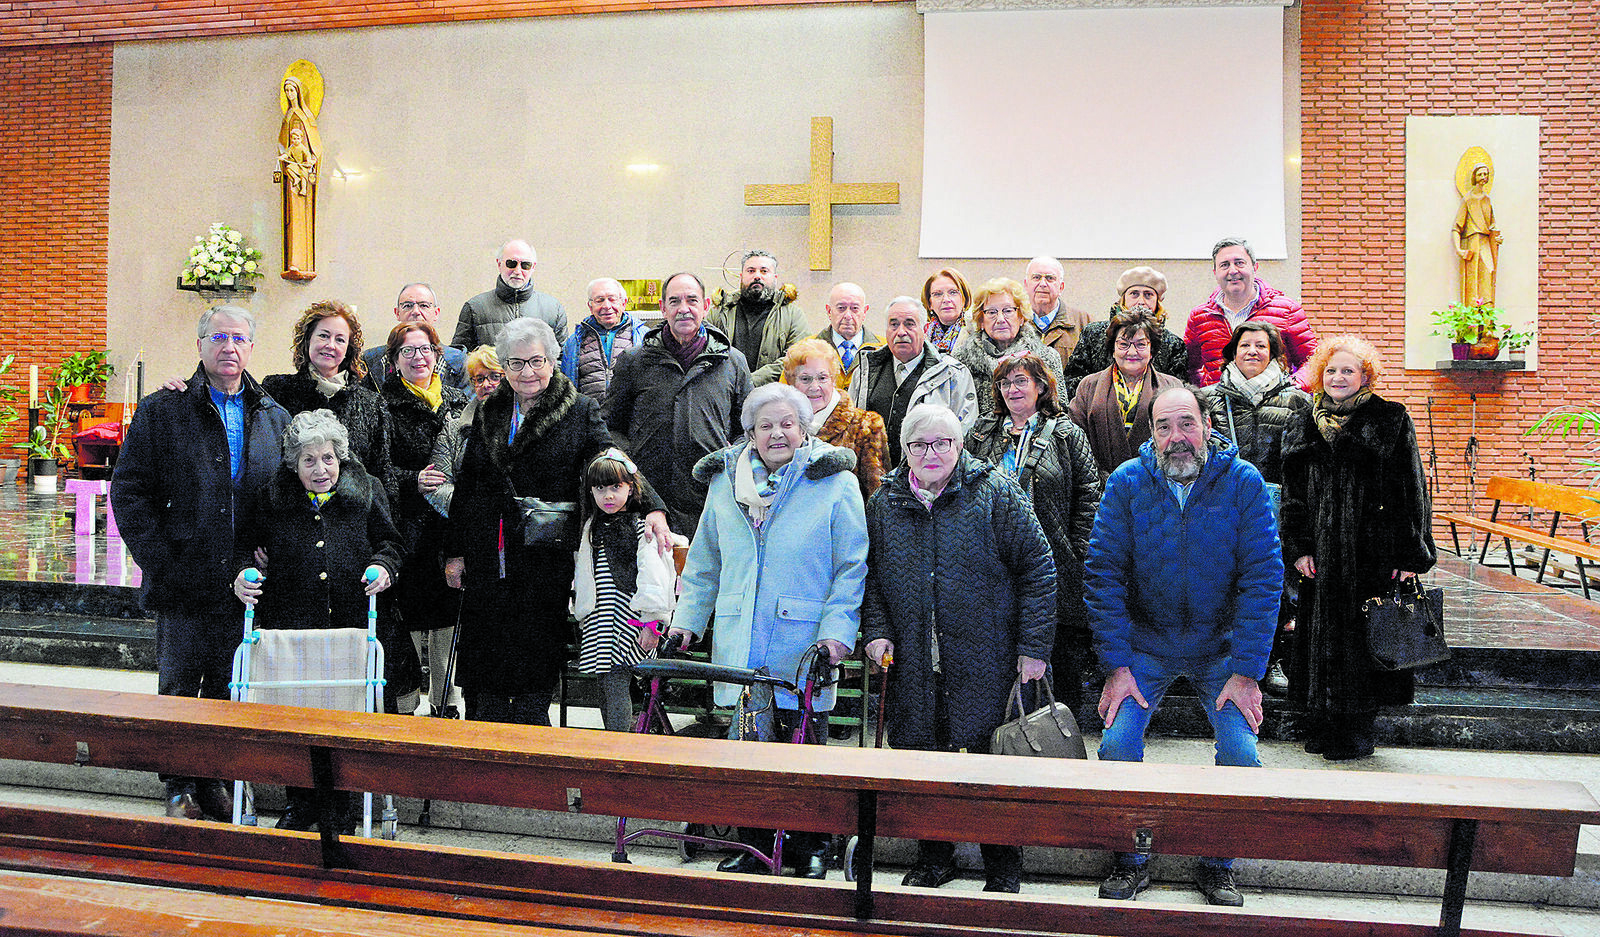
x=866, y=832
x=1455, y=536
x=334, y=855
x=1583, y=577
x=1463, y=835
x=1510, y=560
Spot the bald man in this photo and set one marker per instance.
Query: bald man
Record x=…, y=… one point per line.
x=589, y=357
x=847, y=328
x=513, y=296
x=1059, y=326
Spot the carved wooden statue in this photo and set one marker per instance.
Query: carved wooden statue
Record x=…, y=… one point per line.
x=299, y=168
x=1477, y=240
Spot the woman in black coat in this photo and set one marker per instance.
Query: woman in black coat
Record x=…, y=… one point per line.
x=1356, y=517
x=327, y=376
x=1030, y=436
x=952, y=545
x=420, y=404
x=531, y=438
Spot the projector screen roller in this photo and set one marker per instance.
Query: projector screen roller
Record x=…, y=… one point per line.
x=1103, y=134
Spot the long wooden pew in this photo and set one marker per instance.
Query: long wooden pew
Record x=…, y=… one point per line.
x=1456, y=824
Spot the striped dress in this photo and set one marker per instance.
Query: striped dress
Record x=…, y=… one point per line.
x=606, y=641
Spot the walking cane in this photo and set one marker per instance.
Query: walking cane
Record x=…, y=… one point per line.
x=883, y=696
x=425, y=818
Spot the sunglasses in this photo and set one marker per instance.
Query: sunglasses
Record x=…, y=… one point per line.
x=514, y=264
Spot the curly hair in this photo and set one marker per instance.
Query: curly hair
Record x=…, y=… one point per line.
x=313, y=427
x=806, y=349
x=1032, y=365
x=307, y=324
x=1371, y=364
x=996, y=287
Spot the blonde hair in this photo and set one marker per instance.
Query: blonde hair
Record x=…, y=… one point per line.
x=806, y=349
x=995, y=287
x=483, y=357
x=1371, y=365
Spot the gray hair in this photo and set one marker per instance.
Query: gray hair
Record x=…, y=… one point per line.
x=772, y=393
x=408, y=286
x=589, y=290
x=527, y=331
x=930, y=416
x=232, y=312
x=911, y=301
x=1232, y=242
x=757, y=253
x=312, y=428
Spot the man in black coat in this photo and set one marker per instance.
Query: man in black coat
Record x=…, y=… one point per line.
x=190, y=460
x=677, y=398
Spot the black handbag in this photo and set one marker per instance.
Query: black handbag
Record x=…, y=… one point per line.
x=1051, y=731
x=1405, y=629
x=552, y=525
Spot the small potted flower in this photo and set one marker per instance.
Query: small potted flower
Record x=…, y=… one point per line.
x=1474, y=330
x=1517, y=342
x=84, y=375
x=220, y=261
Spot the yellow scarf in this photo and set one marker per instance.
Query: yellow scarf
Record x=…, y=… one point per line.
x=432, y=395
x=1127, y=396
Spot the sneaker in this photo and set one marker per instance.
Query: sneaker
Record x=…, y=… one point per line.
x=1216, y=883
x=1276, y=682
x=1125, y=881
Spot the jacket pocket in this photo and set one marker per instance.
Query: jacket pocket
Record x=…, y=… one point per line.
x=797, y=608
x=729, y=606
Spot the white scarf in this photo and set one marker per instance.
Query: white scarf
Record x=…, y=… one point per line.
x=328, y=388
x=821, y=416
x=1255, y=389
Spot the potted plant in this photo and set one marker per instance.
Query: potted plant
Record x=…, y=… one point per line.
x=1517, y=342
x=9, y=414
x=84, y=374
x=1474, y=330
x=45, y=453
x=220, y=261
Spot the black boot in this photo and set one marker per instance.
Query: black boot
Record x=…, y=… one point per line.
x=301, y=812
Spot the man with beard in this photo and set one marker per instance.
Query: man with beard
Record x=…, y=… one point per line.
x=1182, y=579
x=416, y=304
x=908, y=371
x=677, y=397
x=1242, y=295
x=847, y=330
x=513, y=296
x=1138, y=286
x=1059, y=326
x=761, y=319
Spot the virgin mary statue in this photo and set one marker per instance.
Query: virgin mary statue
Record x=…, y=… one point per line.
x=299, y=167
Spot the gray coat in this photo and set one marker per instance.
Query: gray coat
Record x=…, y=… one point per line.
x=484, y=315
x=978, y=352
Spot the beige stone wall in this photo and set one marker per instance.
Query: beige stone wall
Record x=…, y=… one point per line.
x=451, y=138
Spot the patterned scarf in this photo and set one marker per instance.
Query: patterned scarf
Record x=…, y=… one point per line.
x=942, y=337
x=1331, y=415
x=1253, y=389
x=756, y=495
x=319, y=498
x=1127, y=396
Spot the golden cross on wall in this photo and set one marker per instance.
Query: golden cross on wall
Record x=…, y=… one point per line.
x=822, y=193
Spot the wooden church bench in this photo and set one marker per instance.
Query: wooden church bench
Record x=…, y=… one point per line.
x=1561, y=501
x=1367, y=818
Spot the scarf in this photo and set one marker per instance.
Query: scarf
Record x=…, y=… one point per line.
x=328, y=388
x=1331, y=415
x=432, y=395
x=1020, y=438
x=319, y=498
x=1254, y=389
x=942, y=337
x=923, y=494
x=821, y=416
x=510, y=295
x=1127, y=395
x=617, y=537
x=756, y=497
x=685, y=353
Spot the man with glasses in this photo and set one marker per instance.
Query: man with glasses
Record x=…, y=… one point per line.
x=513, y=296
x=191, y=457
x=417, y=303
x=589, y=356
x=847, y=328
x=908, y=371
x=1242, y=295
x=1059, y=325
x=677, y=398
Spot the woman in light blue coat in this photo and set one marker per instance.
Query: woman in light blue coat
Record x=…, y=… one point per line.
x=778, y=565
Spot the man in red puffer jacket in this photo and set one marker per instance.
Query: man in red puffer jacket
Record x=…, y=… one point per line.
x=1241, y=295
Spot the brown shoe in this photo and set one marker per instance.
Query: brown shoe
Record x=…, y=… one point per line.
x=184, y=807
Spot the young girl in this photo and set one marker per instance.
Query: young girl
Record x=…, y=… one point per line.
x=622, y=586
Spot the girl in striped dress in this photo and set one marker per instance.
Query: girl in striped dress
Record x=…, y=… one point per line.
x=624, y=590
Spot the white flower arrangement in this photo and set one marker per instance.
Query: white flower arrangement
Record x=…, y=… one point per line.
x=222, y=257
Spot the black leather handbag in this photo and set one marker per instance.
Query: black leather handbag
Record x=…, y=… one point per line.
x=552, y=525
x=1405, y=629
x=1050, y=731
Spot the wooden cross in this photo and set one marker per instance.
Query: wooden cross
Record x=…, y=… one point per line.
x=822, y=193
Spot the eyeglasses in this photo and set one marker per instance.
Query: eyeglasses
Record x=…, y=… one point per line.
x=1133, y=346
x=223, y=338
x=920, y=448
x=417, y=351
x=514, y=264
x=1007, y=311
x=811, y=380
x=417, y=307
x=492, y=377
x=518, y=365
x=1021, y=383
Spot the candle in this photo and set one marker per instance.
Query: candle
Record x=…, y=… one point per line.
x=33, y=387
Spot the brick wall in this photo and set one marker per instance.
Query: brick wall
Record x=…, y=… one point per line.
x=55, y=194
x=1365, y=68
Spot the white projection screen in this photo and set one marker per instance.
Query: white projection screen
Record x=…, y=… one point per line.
x=1103, y=133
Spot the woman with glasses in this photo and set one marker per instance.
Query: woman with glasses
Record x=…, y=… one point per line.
x=1032, y=438
x=420, y=405
x=484, y=377
x=961, y=591
x=946, y=296
x=1138, y=287
x=513, y=527
x=327, y=376
x=1004, y=325
x=1113, y=406
x=812, y=366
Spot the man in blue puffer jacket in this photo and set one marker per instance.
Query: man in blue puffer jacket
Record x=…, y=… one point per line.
x=1182, y=579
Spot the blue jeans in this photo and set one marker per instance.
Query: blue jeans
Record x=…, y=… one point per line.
x=1124, y=741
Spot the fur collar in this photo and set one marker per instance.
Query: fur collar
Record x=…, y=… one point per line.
x=494, y=418
x=825, y=460
x=352, y=493
x=1376, y=427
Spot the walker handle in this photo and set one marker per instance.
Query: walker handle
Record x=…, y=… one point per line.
x=372, y=573
x=251, y=574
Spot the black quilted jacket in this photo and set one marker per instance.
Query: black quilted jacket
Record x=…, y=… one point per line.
x=977, y=570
